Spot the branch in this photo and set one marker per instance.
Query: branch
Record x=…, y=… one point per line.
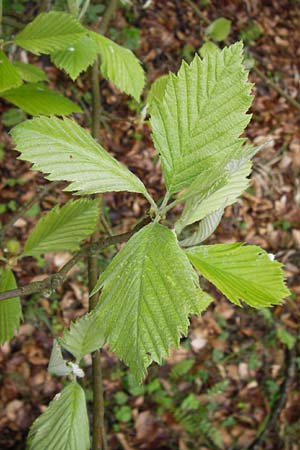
x=276, y=88
x=109, y=12
x=12, y=22
x=53, y=281
x=279, y=403
x=21, y=211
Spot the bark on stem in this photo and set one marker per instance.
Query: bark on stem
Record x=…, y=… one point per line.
x=99, y=434
x=53, y=281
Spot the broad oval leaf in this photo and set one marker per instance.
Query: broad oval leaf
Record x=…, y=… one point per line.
x=83, y=337
x=50, y=32
x=63, y=229
x=149, y=291
x=38, y=99
x=201, y=116
x=121, y=66
x=64, y=425
x=9, y=75
x=68, y=152
x=219, y=29
x=10, y=309
x=76, y=58
x=241, y=272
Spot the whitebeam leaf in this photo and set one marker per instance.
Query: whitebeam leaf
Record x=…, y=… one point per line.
x=157, y=89
x=199, y=206
x=63, y=229
x=241, y=272
x=201, y=116
x=121, y=66
x=9, y=75
x=84, y=336
x=76, y=58
x=149, y=291
x=38, y=99
x=67, y=152
x=50, y=32
x=64, y=425
x=10, y=309
x=205, y=228
x=57, y=365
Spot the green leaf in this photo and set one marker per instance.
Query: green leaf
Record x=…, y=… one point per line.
x=63, y=229
x=12, y=117
x=201, y=116
x=149, y=291
x=207, y=47
x=200, y=206
x=83, y=337
x=66, y=151
x=205, y=228
x=57, y=365
x=30, y=73
x=121, y=66
x=50, y=32
x=219, y=29
x=9, y=75
x=76, y=58
x=241, y=273
x=10, y=309
x=286, y=338
x=64, y=425
x=157, y=89
x=37, y=99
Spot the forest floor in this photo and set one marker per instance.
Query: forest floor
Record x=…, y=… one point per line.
x=236, y=373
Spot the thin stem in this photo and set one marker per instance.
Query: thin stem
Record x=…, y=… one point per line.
x=99, y=434
x=151, y=201
x=109, y=12
x=174, y=203
x=72, y=6
x=276, y=88
x=278, y=405
x=84, y=9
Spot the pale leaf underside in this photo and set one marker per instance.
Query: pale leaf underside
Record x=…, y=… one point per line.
x=205, y=228
x=57, y=365
x=199, y=206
